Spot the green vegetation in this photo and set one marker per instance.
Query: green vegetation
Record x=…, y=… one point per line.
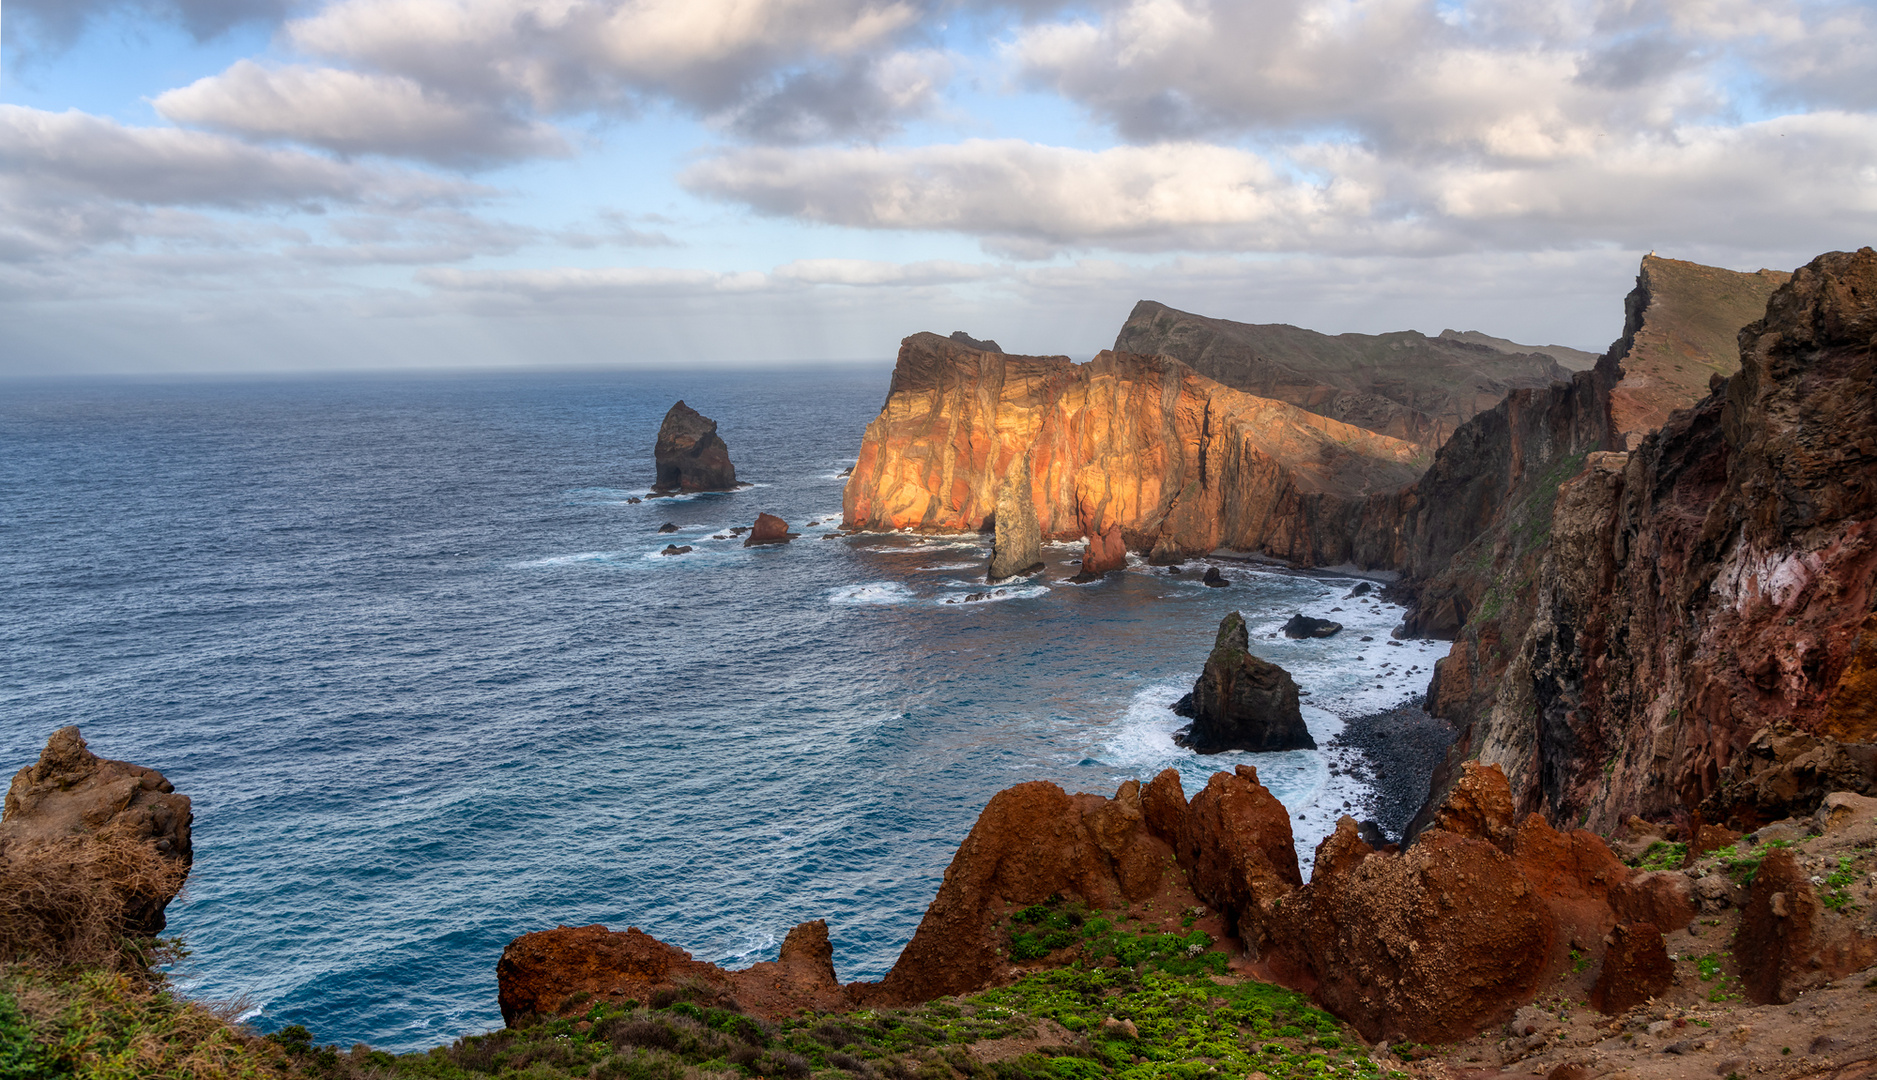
x=1743, y=865
x=1663, y=855
x=1055, y=925
x=1711, y=969
x=1836, y=894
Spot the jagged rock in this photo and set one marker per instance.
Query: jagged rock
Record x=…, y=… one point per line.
x=970, y=342
x=1713, y=581
x=545, y=973
x=1478, y=805
x=1236, y=844
x=71, y=795
x=1242, y=702
x=769, y=529
x=689, y=454
x=1017, y=545
x=1635, y=968
x=1119, y=443
x=1664, y=899
x=1214, y=579
x=673, y=549
x=1788, y=942
x=1306, y=626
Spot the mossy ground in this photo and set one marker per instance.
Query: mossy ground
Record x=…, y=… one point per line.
x=1067, y=1023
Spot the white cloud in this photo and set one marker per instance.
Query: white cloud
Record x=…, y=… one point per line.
x=556, y=286
x=353, y=113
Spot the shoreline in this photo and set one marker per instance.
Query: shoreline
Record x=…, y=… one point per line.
x=1394, y=753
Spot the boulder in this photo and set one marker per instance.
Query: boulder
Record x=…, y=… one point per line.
x=106, y=846
x=689, y=454
x=673, y=549
x=1214, y=579
x=769, y=529
x=667, y=527
x=1635, y=968
x=1305, y=626
x=1016, y=545
x=1242, y=702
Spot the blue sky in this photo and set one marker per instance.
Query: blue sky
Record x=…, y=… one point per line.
x=247, y=185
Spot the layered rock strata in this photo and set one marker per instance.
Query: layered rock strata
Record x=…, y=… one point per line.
x=1139, y=447
x=689, y=454
x=1687, y=594
x=1241, y=701
x=1404, y=384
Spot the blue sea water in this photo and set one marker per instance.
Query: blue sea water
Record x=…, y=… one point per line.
x=430, y=685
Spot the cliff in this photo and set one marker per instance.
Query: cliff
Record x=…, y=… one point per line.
x=1680, y=598
x=1404, y=385
x=1177, y=463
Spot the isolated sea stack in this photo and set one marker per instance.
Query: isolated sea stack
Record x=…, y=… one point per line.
x=1241, y=702
x=1017, y=543
x=690, y=456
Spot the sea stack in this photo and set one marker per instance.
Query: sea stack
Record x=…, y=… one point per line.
x=690, y=456
x=1017, y=543
x=1241, y=702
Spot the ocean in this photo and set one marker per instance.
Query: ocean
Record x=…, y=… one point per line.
x=417, y=660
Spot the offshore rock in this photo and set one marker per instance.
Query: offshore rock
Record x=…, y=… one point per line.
x=1404, y=384
x=769, y=529
x=71, y=794
x=674, y=549
x=689, y=454
x=1714, y=581
x=1242, y=702
x=1017, y=544
x=1214, y=579
x=1305, y=626
x=1106, y=551
x=1142, y=446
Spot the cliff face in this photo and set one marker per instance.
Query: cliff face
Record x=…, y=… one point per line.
x=1405, y=385
x=1716, y=580
x=1693, y=314
x=1178, y=464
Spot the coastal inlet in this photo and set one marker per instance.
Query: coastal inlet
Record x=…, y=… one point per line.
x=415, y=651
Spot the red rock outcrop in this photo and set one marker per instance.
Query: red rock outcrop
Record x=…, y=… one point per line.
x=1139, y=445
x=1788, y=942
x=71, y=795
x=1713, y=581
x=690, y=455
x=768, y=529
x=1635, y=968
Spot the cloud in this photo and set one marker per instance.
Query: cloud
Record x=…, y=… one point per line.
x=556, y=286
x=1807, y=179
x=74, y=153
x=37, y=26
x=782, y=69
x=352, y=113
x=1187, y=195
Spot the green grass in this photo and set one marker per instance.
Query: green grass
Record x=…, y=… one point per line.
x=1663, y=855
x=1836, y=894
x=1743, y=865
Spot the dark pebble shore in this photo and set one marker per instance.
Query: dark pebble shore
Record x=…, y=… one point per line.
x=1398, y=752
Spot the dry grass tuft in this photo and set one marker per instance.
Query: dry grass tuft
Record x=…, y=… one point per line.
x=81, y=899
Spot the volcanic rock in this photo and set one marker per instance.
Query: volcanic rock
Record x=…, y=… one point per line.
x=970, y=342
x=769, y=529
x=1788, y=941
x=1403, y=384
x=1017, y=545
x=70, y=797
x=1214, y=579
x=1306, y=626
x=1242, y=702
x=1711, y=583
x=673, y=549
x=1179, y=464
x=689, y=454
x=1238, y=851
x=1106, y=551
x=1635, y=968
x=667, y=527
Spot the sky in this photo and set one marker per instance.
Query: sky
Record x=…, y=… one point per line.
x=282, y=185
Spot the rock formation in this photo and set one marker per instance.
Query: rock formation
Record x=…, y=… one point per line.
x=969, y=342
x=1241, y=702
x=1689, y=593
x=689, y=454
x=1178, y=464
x=105, y=846
x=1017, y=544
x=1404, y=384
x=1301, y=626
x=769, y=529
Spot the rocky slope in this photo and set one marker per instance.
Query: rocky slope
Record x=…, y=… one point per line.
x=1680, y=598
x=1139, y=449
x=1405, y=384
